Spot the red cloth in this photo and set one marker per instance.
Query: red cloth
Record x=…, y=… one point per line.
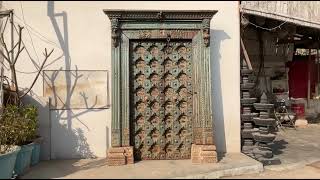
x=298, y=76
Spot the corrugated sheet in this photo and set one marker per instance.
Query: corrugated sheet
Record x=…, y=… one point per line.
x=304, y=13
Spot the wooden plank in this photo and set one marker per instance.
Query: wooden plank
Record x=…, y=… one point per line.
x=291, y=11
x=309, y=61
x=246, y=55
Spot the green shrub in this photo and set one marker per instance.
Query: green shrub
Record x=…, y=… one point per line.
x=18, y=126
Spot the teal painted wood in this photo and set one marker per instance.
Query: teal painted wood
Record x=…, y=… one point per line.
x=166, y=25
x=160, y=34
x=174, y=135
x=116, y=105
x=125, y=91
x=208, y=90
x=196, y=42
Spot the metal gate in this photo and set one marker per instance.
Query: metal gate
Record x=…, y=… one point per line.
x=161, y=99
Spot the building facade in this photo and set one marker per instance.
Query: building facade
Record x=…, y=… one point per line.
x=75, y=90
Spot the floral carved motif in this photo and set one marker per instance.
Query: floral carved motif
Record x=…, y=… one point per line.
x=115, y=32
x=206, y=31
x=145, y=34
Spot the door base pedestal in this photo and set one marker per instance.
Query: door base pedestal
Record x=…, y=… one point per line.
x=118, y=156
x=201, y=154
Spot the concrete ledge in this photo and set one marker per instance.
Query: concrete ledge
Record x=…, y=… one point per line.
x=229, y=165
x=291, y=166
x=234, y=170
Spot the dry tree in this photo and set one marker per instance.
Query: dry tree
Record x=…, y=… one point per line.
x=14, y=94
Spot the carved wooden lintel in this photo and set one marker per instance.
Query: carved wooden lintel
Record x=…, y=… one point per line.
x=144, y=34
x=154, y=15
x=161, y=15
x=206, y=31
x=117, y=16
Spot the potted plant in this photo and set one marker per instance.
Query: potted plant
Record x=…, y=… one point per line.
x=31, y=115
x=23, y=136
x=22, y=118
x=7, y=161
x=8, y=152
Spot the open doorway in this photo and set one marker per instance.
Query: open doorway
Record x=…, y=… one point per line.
x=279, y=68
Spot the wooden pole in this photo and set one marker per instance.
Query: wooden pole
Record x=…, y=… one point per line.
x=246, y=54
x=309, y=62
x=12, y=44
x=317, y=60
x=1, y=90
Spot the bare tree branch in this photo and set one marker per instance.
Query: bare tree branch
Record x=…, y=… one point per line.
x=13, y=71
x=19, y=45
x=5, y=48
x=5, y=57
x=15, y=60
x=41, y=67
x=14, y=47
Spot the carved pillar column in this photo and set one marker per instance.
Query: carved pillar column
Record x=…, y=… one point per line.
x=116, y=123
x=120, y=153
x=203, y=150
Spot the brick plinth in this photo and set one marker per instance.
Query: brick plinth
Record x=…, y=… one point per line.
x=118, y=156
x=201, y=154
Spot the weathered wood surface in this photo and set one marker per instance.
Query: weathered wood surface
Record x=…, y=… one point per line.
x=304, y=13
x=133, y=27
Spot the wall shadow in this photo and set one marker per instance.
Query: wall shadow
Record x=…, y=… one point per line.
x=217, y=36
x=74, y=143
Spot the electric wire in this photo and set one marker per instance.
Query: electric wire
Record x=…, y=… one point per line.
x=34, y=49
x=267, y=29
x=38, y=34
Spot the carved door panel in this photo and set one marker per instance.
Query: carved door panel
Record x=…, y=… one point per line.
x=161, y=99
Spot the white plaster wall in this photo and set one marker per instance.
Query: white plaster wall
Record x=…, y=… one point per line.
x=83, y=33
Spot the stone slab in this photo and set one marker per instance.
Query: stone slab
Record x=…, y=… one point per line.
x=118, y=156
x=201, y=154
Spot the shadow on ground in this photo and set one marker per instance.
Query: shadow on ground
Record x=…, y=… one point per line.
x=278, y=146
x=58, y=169
x=296, y=147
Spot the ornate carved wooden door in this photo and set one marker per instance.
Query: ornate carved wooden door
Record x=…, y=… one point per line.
x=161, y=90
x=161, y=99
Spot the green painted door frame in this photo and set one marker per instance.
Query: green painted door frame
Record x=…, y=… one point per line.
x=189, y=25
